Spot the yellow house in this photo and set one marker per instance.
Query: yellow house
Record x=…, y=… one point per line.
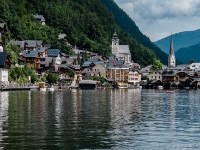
x=119, y=73
x=101, y=68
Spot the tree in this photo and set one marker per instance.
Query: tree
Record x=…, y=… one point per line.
x=191, y=61
x=52, y=78
x=156, y=65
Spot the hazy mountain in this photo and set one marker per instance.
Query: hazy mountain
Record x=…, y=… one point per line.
x=181, y=40
x=189, y=53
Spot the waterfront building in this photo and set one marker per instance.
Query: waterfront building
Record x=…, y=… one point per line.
x=156, y=75
x=171, y=57
x=121, y=52
x=134, y=77
x=101, y=68
x=118, y=72
x=4, y=66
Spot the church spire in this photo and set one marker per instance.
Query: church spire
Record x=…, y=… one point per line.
x=171, y=57
x=171, y=46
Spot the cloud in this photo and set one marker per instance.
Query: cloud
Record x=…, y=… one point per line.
x=159, y=18
x=153, y=10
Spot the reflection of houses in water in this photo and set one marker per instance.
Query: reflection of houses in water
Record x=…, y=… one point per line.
x=125, y=105
x=3, y=112
x=172, y=110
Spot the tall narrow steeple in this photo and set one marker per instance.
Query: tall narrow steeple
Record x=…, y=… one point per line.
x=171, y=58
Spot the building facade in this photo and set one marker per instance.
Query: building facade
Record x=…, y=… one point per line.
x=121, y=52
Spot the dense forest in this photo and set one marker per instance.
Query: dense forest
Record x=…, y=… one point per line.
x=128, y=25
x=88, y=24
x=187, y=54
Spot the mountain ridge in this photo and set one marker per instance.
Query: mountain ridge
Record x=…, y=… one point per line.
x=181, y=40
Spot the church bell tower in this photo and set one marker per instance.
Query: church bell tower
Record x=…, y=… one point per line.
x=115, y=44
x=171, y=57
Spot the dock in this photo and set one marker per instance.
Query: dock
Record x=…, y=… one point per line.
x=19, y=88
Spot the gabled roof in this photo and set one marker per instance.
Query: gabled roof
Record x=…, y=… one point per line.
x=47, y=45
x=116, y=66
x=30, y=53
x=47, y=61
x=3, y=56
x=124, y=49
x=53, y=52
x=33, y=43
x=88, y=82
x=133, y=70
x=18, y=43
x=41, y=49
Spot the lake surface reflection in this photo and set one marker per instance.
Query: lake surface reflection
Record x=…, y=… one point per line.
x=94, y=119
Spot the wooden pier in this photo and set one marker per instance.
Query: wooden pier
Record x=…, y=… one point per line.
x=19, y=88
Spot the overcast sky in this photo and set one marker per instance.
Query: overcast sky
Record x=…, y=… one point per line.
x=159, y=18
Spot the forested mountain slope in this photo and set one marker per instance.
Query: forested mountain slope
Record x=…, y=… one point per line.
x=189, y=53
x=129, y=26
x=87, y=23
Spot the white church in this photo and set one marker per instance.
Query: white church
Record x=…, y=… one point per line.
x=121, y=52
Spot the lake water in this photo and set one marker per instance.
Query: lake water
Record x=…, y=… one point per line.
x=100, y=119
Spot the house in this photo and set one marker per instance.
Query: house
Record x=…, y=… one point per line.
x=134, y=77
x=90, y=65
x=20, y=44
x=118, y=72
x=156, y=75
x=194, y=67
x=154, y=84
x=88, y=84
x=102, y=69
x=33, y=44
x=5, y=63
x=45, y=63
x=169, y=76
x=55, y=54
x=31, y=58
x=182, y=76
x=146, y=71
x=39, y=18
x=89, y=72
x=42, y=51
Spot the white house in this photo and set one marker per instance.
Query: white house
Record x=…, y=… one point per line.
x=134, y=77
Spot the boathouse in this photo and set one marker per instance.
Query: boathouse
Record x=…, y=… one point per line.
x=88, y=84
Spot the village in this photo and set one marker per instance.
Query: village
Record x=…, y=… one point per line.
x=118, y=69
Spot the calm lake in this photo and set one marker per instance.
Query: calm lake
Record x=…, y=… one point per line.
x=100, y=119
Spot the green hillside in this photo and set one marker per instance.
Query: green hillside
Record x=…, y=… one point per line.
x=87, y=23
x=189, y=53
x=129, y=26
x=181, y=40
